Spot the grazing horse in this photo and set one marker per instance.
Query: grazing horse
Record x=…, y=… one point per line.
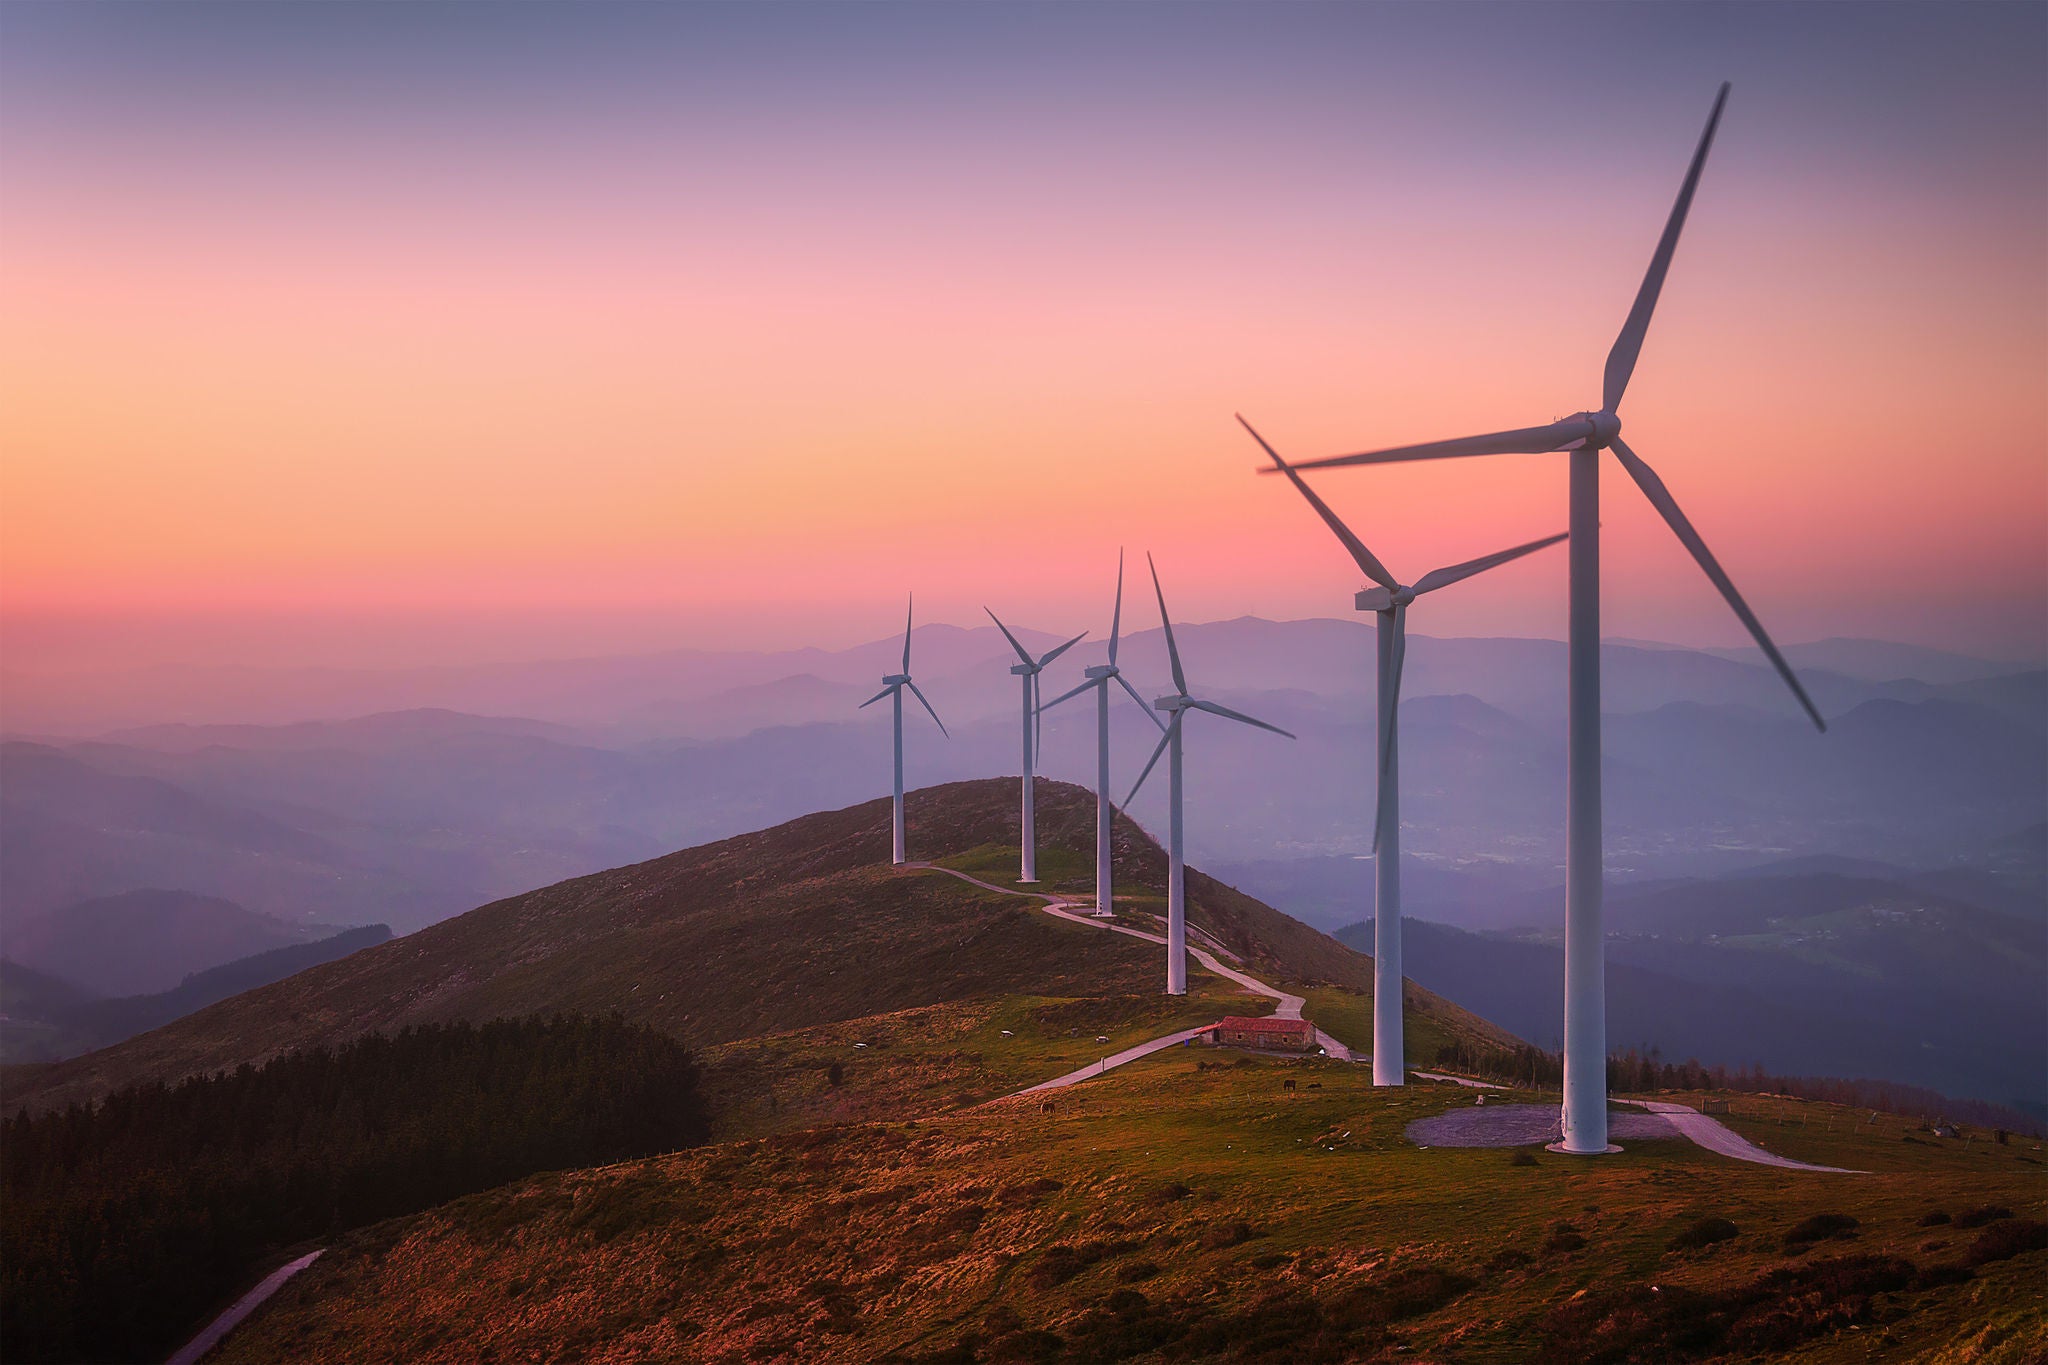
x=1287, y=1085
x=1047, y=1107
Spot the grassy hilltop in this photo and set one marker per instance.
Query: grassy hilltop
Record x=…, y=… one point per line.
x=765, y=950
x=1186, y=1208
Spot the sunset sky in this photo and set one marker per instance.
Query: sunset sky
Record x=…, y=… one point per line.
x=420, y=333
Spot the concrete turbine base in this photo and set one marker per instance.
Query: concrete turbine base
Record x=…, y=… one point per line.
x=1608, y=1150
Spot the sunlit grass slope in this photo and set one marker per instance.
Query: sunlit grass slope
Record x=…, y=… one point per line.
x=1186, y=1208
x=773, y=934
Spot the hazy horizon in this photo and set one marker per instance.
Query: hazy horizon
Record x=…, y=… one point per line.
x=70, y=646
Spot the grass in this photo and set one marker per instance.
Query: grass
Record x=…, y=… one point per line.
x=1302, y=1221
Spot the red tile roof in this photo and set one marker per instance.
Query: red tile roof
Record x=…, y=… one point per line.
x=1293, y=1027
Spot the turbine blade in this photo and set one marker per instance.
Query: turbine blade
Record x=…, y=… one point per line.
x=1660, y=498
x=1143, y=705
x=1065, y=696
x=1621, y=361
x=906, y=631
x=1022, y=653
x=928, y=707
x=1367, y=561
x=877, y=697
x=1116, y=620
x=1216, y=709
x=1054, y=654
x=1443, y=578
x=1165, y=739
x=1180, y=680
x=1389, y=716
x=1521, y=441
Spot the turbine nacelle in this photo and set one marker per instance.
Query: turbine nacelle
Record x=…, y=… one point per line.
x=1384, y=599
x=1172, y=704
x=895, y=679
x=1097, y=672
x=1024, y=670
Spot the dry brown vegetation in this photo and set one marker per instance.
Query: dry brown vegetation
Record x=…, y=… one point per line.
x=1181, y=1214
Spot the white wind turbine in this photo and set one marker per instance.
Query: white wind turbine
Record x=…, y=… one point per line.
x=1585, y=435
x=1100, y=676
x=892, y=686
x=1178, y=705
x=1390, y=600
x=1029, y=670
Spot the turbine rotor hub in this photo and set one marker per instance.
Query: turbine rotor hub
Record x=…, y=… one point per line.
x=1606, y=426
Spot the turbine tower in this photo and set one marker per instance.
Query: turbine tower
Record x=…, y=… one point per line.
x=1584, y=435
x=1178, y=705
x=1390, y=600
x=1029, y=670
x=1100, y=676
x=892, y=687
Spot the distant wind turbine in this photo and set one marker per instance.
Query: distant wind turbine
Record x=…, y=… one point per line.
x=1029, y=670
x=1585, y=435
x=892, y=686
x=1178, y=705
x=1100, y=676
x=1390, y=599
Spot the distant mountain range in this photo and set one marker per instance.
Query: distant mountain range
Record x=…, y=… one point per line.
x=45, y=1018
x=1807, y=973
x=148, y=940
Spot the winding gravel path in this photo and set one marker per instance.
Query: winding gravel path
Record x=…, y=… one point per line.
x=1718, y=1137
x=1288, y=1006
x=227, y=1322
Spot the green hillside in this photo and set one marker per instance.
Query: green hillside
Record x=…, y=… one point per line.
x=790, y=929
x=1187, y=1208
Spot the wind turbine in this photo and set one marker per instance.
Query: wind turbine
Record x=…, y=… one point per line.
x=892, y=687
x=1100, y=676
x=1029, y=670
x=1178, y=705
x=1390, y=599
x=1585, y=435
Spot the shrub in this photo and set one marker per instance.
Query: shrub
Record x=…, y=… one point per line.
x=1136, y=1271
x=1506, y=1259
x=1771, y=1314
x=2004, y=1240
x=1705, y=1232
x=1563, y=1240
x=1522, y=1157
x=1822, y=1227
x=964, y=1219
x=1171, y=1193
x=1222, y=1235
x=1978, y=1217
x=1062, y=1261
x=1030, y=1190
x=1934, y=1219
